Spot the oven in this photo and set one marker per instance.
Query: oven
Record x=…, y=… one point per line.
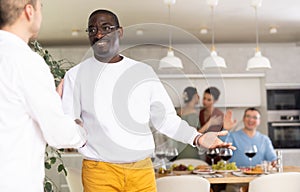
x=283, y=105
x=285, y=131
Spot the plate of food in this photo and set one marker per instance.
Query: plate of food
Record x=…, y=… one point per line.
x=204, y=172
x=182, y=169
x=221, y=167
x=182, y=172
x=255, y=171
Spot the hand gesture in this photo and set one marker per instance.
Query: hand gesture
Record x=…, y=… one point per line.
x=228, y=123
x=210, y=140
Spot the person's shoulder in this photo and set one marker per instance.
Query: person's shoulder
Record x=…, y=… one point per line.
x=259, y=134
x=135, y=62
x=139, y=67
x=237, y=133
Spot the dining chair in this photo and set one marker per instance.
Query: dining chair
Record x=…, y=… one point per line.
x=187, y=161
x=277, y=182
x=190, y=183
x=74, y=180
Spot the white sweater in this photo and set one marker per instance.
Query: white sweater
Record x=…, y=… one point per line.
x=117, y=102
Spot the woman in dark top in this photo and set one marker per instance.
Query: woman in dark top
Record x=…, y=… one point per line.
x=210, y=97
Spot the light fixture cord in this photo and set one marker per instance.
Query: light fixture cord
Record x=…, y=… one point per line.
x=213, y=28
x=170, y=33
x=256, y=25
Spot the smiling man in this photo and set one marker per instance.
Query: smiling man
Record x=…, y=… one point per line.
x=117, y=98
x=249, y=136
x=246, y=137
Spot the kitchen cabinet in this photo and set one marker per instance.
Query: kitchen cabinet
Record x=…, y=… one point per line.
x=237, y=90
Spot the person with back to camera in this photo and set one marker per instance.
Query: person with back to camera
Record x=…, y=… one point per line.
x=31, y=114
x=189, y=113
x=117, y=98
x=246, y=137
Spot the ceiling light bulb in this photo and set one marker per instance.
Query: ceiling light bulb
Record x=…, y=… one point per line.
x=203, y=31
x=212, y=2
x=139, y=32
x=273, y=30
x=170, y=2
x=75, y=32
x=256, y=3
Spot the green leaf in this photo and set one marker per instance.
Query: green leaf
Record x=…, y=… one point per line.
x=47, y=165
x=60, y=168
x=52, y=160
x=48, y=186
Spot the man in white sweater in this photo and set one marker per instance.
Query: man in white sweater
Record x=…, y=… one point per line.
x=31, y=112
x=117, y=98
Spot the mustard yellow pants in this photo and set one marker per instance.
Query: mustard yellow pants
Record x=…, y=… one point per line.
x=128, y=177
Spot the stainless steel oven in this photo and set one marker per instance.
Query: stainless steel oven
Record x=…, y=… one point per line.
x=285, y=131
x=283, y=104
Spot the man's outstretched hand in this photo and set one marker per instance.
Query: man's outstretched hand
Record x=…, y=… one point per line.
x=210, y=140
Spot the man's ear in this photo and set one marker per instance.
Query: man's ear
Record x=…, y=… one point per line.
x=120, y=32
x=29, y=11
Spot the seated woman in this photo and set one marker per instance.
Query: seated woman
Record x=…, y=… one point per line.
x=210, y=97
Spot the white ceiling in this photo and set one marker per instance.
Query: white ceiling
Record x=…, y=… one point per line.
x=234, y=20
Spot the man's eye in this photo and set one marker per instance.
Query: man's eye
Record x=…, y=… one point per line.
x=106, y=28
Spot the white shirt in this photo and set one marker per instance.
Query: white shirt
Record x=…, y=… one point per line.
x=116, y=103
x=30, y=115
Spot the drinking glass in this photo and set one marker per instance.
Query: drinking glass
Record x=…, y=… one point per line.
x=250, y=152
x=212, y=154
x=160, y=153
x=225, y=154
x=171, y=153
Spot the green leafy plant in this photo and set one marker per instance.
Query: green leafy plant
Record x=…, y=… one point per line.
x=53, y=155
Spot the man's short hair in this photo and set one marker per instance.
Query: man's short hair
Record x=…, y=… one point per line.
x=10, y=10
x=251, y=109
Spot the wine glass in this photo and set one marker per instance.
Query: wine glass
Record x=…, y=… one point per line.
x=171, y=153
x=250, y=152
x=225, y=154
x=212, y=154
x=160, y=153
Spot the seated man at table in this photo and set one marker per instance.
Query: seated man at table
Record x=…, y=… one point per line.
x=249, y=136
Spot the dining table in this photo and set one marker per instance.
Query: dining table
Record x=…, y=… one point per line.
x=229, y=177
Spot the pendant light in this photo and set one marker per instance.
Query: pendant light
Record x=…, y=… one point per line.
x=258, y=61
x=170, y=61
x=213, y=61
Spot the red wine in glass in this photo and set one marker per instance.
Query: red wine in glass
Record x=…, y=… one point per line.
x=225, y=157
x=212, y=153
x=250, y=154
x=225, y=154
